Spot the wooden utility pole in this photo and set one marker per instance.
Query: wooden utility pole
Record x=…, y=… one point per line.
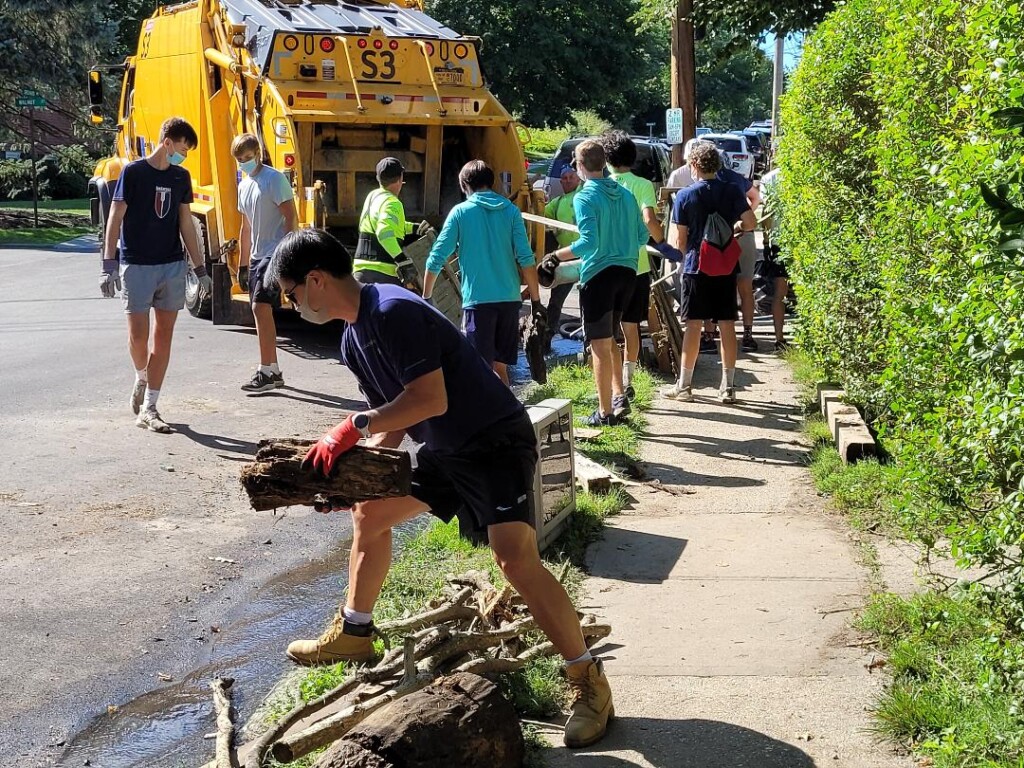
x=778, y=80
x=684, y=74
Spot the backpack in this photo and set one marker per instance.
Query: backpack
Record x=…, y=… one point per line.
x=719, y=252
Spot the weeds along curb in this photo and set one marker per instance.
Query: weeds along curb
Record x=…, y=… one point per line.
x=428, y=554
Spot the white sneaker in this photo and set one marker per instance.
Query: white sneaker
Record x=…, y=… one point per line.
x=676, y=392
x=727, y=395
x=151, y=420
x=138, y=395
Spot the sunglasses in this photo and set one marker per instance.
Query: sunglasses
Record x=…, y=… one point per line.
x=290, y=295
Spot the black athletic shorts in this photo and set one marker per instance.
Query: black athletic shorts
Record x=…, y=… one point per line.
x=487, y=481
x=774, y=268
x=640, y=304
x=703, y=297
x=493, y=331
x=258, y=292
x=603, y=299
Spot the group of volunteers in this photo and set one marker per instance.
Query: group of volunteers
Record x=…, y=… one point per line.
x=476, y=451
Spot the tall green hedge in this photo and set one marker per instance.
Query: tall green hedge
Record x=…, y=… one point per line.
x=904, y=296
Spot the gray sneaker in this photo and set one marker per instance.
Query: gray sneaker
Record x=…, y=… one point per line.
x=151, y=420
x=727, y=395
x=676, y=392
x=264, y=382
x=620, y=406
x=138, y=395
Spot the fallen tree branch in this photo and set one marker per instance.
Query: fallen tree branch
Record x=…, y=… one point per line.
x=225, y=754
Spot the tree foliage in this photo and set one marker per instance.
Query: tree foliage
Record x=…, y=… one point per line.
x=545, y=59
x=734, y=82
x=909, y=293
x=747, y=18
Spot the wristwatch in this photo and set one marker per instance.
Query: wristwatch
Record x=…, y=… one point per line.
x=361, y=421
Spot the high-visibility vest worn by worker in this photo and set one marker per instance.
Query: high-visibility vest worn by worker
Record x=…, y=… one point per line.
x=381, y=225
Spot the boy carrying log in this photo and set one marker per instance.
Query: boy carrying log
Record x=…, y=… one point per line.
x=478, y=452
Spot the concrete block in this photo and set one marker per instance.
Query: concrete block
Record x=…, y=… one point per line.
x=852, y=436
x=829, y=393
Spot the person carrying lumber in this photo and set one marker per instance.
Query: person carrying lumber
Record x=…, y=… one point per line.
x=478, y=451
x=488, y=232
x=382, y=226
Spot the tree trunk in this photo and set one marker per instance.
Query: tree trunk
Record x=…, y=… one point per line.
x=276, y=478
x=461, y=720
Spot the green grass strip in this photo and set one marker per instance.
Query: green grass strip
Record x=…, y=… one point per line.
x=42, y=237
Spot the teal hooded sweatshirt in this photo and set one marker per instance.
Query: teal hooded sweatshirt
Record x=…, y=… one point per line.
x=611, y=227
x=489, y=234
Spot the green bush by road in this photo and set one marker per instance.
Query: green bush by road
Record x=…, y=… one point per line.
x=906, y=299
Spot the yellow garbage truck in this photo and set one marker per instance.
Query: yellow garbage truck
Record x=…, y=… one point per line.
x=330, y=87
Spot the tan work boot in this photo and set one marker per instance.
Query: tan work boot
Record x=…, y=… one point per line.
x=592, y=705
x=342, y=641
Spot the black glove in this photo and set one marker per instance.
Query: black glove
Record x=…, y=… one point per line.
x=408, y=274
x=546, y=269
x=540, y=315
x=243, y=278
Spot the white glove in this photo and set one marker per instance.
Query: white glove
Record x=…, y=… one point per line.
x=423, y=228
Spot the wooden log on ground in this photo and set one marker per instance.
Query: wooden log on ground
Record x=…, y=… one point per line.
x=225, y=754
x=460, y=720
x=276, y=478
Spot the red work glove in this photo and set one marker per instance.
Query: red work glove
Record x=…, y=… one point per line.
x=336, y=442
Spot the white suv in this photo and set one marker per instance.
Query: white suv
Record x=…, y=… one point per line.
x=736, y=148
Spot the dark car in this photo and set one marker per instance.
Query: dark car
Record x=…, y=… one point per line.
x=653, y=161
x=756, y=147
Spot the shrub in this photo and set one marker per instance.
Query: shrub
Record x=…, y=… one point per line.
x=61, y=175
x=904, y=295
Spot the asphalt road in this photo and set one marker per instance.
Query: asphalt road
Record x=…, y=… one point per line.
x=108, y=531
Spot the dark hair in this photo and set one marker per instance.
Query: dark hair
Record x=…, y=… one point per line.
x=476, y=175
x=619, y=149
x=178, y=129
x=304, y=250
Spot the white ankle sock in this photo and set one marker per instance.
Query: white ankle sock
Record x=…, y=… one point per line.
x=686, y=378
x=728, y=377
x=627, y=373
x=142, y=375
x=356, y=617
x=273, y=368
x=149, y=403
x=585, y=657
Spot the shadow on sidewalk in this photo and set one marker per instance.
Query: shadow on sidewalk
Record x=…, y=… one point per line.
x=686, y=744
x=646, y=558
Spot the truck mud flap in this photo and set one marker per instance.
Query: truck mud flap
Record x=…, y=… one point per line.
x=227, y=311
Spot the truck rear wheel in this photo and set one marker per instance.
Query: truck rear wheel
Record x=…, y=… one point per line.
x=201, y=308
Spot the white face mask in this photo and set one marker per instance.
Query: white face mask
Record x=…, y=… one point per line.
x=313, y=316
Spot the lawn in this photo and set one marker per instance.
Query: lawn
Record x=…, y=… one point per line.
x=79, y=205
x=42, y=237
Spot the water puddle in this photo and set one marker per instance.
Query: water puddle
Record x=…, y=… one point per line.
x=165, y=727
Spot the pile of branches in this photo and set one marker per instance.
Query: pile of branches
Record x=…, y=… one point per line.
x=474, y=627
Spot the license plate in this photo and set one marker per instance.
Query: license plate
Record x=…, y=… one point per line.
x=448, y=77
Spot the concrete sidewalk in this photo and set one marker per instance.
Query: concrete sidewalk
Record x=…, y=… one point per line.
x=731, y=604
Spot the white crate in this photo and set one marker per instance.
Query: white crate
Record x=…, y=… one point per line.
x=554, y=485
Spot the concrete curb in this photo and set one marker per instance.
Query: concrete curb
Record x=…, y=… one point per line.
x=854, y=440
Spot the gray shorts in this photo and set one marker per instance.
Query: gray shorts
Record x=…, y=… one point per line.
x=156, y=286
x=748, y=255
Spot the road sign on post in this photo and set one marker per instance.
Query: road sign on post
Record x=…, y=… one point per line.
x=674, y=125
x=30, y=101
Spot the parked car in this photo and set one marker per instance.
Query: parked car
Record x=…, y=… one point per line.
x=702, y=131
x=686, y=151
x=758, y=146
x=653, y=161
x=736, y=148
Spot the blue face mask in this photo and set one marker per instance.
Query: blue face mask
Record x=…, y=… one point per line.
x=176, y=158
x=248, y=166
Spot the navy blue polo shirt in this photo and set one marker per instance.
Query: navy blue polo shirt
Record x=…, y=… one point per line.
x=693, y=206
x=149, y=230
x=396, y=339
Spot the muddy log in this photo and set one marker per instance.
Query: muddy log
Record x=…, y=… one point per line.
x=276, y=478
x=459, y=720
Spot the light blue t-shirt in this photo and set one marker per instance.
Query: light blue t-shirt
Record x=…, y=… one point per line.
x=259, y=198
x=488, y=232
x=611, y=227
